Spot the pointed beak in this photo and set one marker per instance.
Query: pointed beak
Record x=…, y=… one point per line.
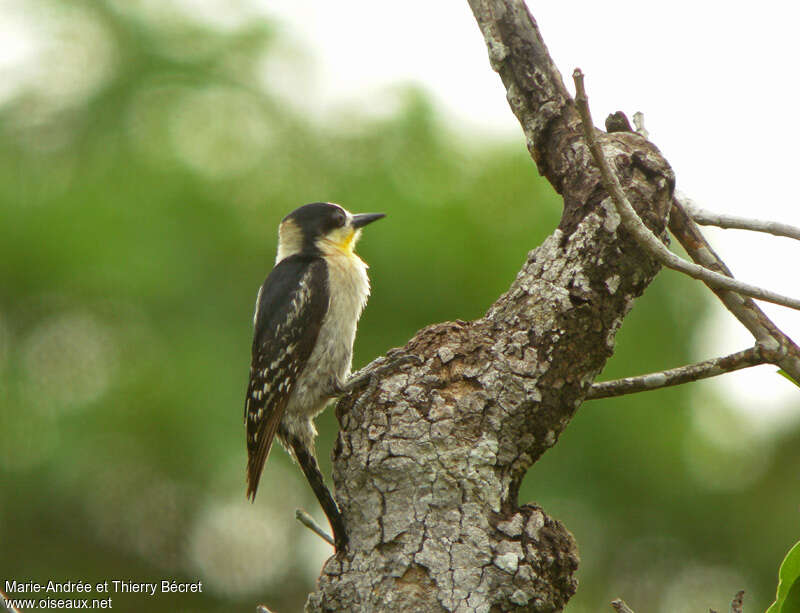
x=359, y=221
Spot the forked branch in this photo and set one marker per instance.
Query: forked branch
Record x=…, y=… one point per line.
x=646, y=239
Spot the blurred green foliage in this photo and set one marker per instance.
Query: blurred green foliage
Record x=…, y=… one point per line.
x=141, y=182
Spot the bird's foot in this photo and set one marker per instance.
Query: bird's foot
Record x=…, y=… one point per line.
x=393, y=361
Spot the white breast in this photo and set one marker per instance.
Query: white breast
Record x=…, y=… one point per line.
x=331, y=359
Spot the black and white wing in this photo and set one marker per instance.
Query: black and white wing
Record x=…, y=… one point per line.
x=289, y=312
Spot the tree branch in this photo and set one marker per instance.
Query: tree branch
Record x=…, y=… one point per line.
x=676, y=376
x=7, y=603
x=736, y=605
x=429, y=460
x=644, y=236
x=784, y=351
x=620, y=606
x=722, y=220
x=638, y=122
x=534, y=87
x=304, y=518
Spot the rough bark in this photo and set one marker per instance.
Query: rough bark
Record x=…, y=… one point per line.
x=429, y=458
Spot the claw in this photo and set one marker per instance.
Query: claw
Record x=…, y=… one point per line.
x=376, y=368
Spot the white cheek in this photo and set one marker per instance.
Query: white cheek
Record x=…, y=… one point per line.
x=340, y=234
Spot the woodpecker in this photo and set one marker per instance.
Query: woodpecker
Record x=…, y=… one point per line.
x=304, y=327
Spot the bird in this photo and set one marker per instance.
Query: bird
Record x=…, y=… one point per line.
x=304, y=327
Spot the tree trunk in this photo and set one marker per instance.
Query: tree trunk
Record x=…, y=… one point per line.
x=430, y=457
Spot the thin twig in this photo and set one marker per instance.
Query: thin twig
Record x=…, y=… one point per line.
x=722, y=220
x=749, y=314
x=638, y=121
x=783, y=350
x=737, y=602
x=676, y=376
x=620, y=607
x=646, y=239
x=7, y=603
x=308, y=521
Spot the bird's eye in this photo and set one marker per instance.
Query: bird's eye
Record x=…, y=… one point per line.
x=339, y=219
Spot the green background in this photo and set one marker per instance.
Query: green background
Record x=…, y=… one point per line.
x=140, y=189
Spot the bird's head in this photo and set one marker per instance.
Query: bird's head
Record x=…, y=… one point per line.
x=321, y=228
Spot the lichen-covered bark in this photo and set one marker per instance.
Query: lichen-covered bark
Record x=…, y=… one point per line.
x=430, y=457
